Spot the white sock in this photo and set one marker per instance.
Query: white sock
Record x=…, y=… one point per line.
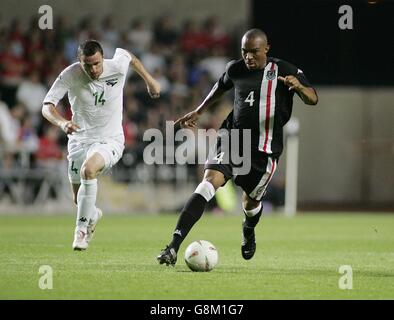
x=86, y=203
x=206, y=189
x=94, y=217
x=253, y=212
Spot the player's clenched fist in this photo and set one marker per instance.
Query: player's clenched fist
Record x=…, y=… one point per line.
x=69, y=127
x=291, y=81
x=154, y=89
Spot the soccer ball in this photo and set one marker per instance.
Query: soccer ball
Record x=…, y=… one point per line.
x=201, y=256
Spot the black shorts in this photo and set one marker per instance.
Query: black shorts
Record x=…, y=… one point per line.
x=255, y=182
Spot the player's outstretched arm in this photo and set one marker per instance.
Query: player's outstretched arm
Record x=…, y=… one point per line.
x=53, y=116
x=153, y=86
x=190, y=120
x=307, y=94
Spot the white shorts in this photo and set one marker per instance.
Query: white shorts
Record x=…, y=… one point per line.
x=78, y=152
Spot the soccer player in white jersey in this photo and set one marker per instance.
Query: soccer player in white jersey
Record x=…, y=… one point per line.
x=96, y=141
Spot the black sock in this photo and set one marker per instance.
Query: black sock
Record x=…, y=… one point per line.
x=251, y=222
x=190, y=214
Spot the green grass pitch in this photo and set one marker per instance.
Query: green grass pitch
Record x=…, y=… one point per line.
x=296, y=258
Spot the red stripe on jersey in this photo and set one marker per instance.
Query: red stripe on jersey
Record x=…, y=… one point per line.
x=267, y=111
x=272, y=171
x=273, y=168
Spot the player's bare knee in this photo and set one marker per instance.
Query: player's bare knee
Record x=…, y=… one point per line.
x=249, y=203
x=250, y=206
x=214, y=182
x=215, y=178
x=87, y=172
x=211, y=182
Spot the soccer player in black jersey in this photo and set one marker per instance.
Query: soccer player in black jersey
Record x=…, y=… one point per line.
x=264, y=89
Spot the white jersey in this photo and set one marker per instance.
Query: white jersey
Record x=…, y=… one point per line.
x=96, y=105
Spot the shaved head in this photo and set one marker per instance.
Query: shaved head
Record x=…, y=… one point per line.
x=254, y=49
x=256, y=34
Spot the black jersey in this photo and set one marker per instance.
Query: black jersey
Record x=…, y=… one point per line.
x=262, y=103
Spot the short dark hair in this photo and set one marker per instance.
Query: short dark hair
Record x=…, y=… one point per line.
x=89, y=48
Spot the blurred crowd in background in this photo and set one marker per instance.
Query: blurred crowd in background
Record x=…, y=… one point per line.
x=186, y=59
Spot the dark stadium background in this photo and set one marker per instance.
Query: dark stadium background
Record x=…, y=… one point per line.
x=307, y=33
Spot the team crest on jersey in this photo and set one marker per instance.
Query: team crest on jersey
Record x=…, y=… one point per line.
x=111, y=82
x=271, y=74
